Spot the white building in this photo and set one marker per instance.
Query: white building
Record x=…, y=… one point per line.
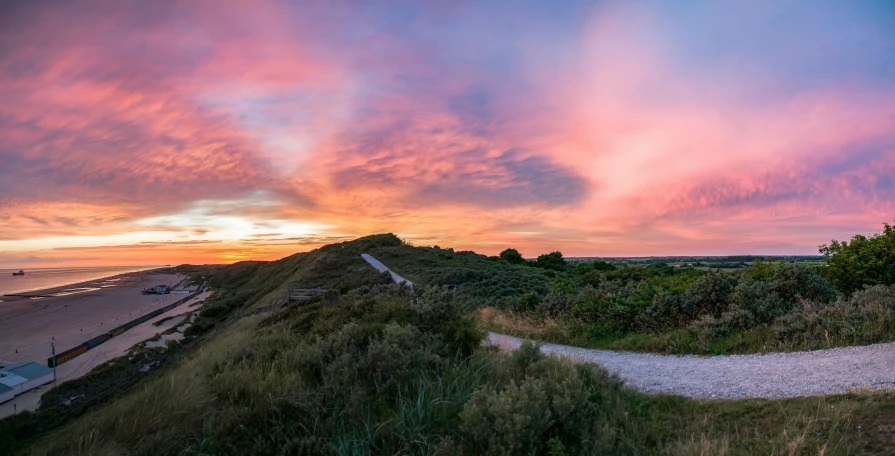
x=21, y=378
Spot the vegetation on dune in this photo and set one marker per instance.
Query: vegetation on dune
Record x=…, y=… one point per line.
x=487, y=280
x=337, y=267
x=238, y=286
x=375, y=368
x=770, y=306
x=379, y=370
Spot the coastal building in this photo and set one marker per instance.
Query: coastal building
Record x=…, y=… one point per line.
x=158, y=289
x=21, y=378
x=6, y=393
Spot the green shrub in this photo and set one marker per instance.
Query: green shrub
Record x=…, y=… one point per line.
x=400, y=354
x=867, y=316
x=555, y=304
x=512, y=256
x=554, y=404
x=528, y=302
x=708, y=295
x=663, y=314
x=552, y=260
x=527, y=354
x=862, y=261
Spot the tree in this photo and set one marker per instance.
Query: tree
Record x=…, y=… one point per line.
x=863, y=261
x=552, y=260
x=512, y=256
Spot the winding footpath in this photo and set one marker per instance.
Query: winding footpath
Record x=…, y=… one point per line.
x=772, y=375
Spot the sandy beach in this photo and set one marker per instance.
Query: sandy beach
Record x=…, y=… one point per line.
x=114, y=348
x=75, y=313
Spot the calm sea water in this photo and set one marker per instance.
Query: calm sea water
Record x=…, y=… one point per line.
x=40, y=278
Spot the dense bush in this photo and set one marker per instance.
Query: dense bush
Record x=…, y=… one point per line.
x=512, y=256
x=552, y=260
x=674, y=308
x=550, y=406
x=768, y=306
x=867, y=316
x=708, y=295
x=394, y=372
x=863, y=261
x=488, y=282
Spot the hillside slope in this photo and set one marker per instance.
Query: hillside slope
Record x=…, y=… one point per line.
x=371, y=368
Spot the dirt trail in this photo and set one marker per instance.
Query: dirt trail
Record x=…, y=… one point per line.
x=772, y=375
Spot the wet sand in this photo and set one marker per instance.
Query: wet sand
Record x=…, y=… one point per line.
x=28, y=325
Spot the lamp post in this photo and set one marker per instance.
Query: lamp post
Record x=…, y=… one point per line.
x=53, y=348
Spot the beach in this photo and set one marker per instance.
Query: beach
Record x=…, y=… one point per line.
x=115, y=347
x=72, y=314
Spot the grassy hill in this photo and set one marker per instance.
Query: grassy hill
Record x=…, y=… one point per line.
x=373, y=368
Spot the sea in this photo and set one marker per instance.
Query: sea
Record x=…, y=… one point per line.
x=42, y=278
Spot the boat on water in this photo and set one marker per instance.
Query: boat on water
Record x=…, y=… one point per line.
x=21, y=272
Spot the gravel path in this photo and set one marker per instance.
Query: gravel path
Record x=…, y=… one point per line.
x=772, y=375
x=383, y=268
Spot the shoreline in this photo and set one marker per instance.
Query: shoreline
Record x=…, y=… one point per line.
x=48, y=292
x=29, y=324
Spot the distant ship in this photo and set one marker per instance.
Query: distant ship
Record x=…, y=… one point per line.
x=21, y=272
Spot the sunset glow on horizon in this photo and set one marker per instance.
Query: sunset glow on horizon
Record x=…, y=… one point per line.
x=213, y=132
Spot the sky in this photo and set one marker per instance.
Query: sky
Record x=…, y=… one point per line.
x=136, y=132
